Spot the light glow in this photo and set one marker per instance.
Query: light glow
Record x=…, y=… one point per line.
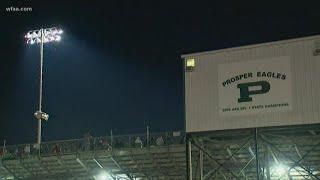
x=279, y=170
x=190, y=63
x=103, y=176
x=49, y=35
x=30, y=41
x=58, y=38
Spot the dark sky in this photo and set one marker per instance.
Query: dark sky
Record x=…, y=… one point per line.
x=118, y=65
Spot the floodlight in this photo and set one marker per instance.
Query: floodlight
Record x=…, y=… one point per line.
x=46, y=32
x=58, y=38
x=190, y=64
x=28, y=35
x=34, y=34
x=41, y=115
x=103, y=176
x=38, y=40
x=30, y=41
x=48, y=35
x=54, y=32
x=42, y=36
x=279, y=170
x=45, y=116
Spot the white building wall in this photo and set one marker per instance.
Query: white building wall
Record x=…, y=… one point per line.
x=202, y=94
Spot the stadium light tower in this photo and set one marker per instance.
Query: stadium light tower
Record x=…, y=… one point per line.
x=42, y=36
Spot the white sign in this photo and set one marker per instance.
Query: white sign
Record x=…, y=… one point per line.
x=255, y=87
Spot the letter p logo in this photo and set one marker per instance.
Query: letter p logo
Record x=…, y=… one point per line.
x=245, y=92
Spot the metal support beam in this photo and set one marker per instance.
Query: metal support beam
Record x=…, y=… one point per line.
x=196, y=168
x=40, y=90
x=296, y=163
x=224, y=177
x=242, y=170
x=148, y=136
x=189, y=158
x=267, y=162
x=7, y=169
x=230, y=156
x=201, y=163
x=98, y=163
x=216, y=161
x=81, y=163
x=298, y=152
x=275, y=159
x=256, y=153
x=305, y=155
x=118, y=165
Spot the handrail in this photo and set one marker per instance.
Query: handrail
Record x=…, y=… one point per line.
x=72, y=146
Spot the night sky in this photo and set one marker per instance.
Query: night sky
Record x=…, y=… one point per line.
x=118, y=65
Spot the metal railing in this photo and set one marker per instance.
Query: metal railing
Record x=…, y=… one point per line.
x=74, y=146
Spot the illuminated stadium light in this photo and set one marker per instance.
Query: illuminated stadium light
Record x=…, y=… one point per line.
x=104, y=176
x=41, y=36
x=190, y=64
x=49, y=35
x=279, y=170
x=8, y=177
x=41, y=115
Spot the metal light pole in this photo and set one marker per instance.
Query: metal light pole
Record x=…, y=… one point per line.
x=42, y=36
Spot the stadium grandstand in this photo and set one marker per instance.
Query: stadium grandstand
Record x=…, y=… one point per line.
x=284, y=153
x=139, y=156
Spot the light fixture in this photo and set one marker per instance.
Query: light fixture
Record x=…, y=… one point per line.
x=58, y=38
x=41, y=36
x=279, y=170
x=49, y=35
x=103, y=176
x=190, y=64
x=41, y=115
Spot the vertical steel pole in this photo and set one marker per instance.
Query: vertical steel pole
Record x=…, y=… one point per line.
x=268, y=165
x=201, y=162
x=40, y=87
x=148, y=136
x=189, y=158
x=256, y=152
x=111, y=138
x=4, y=148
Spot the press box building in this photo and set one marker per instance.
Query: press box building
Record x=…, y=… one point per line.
x=254, y=101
